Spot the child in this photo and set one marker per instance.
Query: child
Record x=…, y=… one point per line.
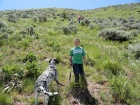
x=77, y=58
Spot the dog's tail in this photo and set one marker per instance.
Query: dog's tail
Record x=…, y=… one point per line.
x=51, y=93
x=47, y=93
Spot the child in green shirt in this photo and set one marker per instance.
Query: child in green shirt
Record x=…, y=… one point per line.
x=77, y=59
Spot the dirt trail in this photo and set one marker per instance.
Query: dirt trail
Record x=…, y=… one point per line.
x=77, y=96
x=91, y=95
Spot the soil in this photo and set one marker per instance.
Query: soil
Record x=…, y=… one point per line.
x=91, y=95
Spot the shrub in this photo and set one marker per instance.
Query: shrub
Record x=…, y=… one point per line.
x=2, y=42
x=122, y=28
x=131, y=19
x=72, y=22
x=73, y=29
x=24, y=15
x=135, y=32
x=31, y=65
x=30, y=30
x=12, y=18
x=42, y=18
x=3, y=24
x=31, y=69
x=3, y=30
x=66, y=30
x=136, y=50
x=23, y=32
x=35, y=19
x=4, y=36
x=135, y=26
x=1, y=15
x=64, y=15
x=85, y=22
x=10, y=31
x=5, y=33
x=29, y=58
x=8, y=71
x=116, y=23
x=123, y=20
x=70, y=29
x=115, y=35
x=62, y=19
x=91, y=26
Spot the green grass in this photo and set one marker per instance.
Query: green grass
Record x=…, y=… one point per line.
x=5, y=100
x=107, y=61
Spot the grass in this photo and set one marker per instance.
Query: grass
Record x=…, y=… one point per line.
x=5, y=100
x=108, y=61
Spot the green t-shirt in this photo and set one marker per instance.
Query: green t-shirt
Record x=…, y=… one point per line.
x=77, y=54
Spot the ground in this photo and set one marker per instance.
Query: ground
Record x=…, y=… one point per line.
x=91, y=95
x=94, y=94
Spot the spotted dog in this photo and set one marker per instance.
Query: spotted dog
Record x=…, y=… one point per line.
x=43, y=81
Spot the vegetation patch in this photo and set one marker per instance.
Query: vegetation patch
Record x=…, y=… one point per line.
x=115, y=35
x=29, y=38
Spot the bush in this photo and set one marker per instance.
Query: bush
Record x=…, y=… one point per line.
x=135, y=26
x=123, y=20
x=70, y=29
x=31, y=65
x=66, y=30
x=35, y=19
x=24, y=15
x=3, y=24
x=12, y=18
x=31, y=69
x=30, y=30
x=85, y=22
x=4, y=36
x=10, y=31
x=91, y=26
x=64, y=15
x=2, y=42
x=72, y=22
x=8, y=71
x=115, y=35
x=29, y=58
x=122, y=28
x=135, y=32
x=136, y=50
x=42, y=18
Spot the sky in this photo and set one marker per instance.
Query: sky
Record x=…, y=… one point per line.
x=70, y=4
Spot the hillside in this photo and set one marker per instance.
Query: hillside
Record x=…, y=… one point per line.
x=109, y=35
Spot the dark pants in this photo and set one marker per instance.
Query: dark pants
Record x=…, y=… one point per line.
x=78, y=70
x=79, y=20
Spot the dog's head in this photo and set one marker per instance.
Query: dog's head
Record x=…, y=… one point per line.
x=53, y=61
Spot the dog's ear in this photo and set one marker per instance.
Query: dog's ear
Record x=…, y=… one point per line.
x=50, y=60
x=56, y=60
